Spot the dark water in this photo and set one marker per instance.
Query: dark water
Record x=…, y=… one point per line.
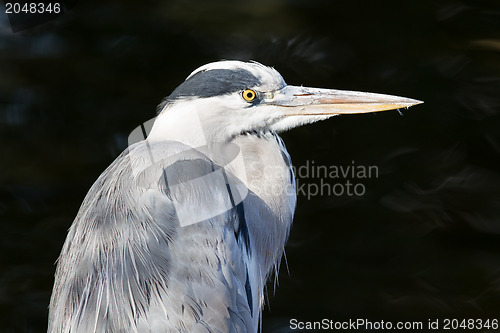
x=422, y=242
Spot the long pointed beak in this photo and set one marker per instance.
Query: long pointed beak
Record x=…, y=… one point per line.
x=302, y=101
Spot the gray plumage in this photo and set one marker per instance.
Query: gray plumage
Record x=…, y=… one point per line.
x=181, y=231
x=128, y=265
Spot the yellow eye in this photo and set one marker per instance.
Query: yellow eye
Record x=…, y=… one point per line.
x=249, y=95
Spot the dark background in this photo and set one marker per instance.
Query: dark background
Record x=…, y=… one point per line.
x=422, y=243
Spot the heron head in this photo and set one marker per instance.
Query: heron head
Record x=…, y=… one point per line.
x=224, y=99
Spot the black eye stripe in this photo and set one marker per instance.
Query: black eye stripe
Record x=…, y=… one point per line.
x=215, y=82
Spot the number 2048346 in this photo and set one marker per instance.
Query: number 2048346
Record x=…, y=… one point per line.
x=32, y=7
x=456, y=324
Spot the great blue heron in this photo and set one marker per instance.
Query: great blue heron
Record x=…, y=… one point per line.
x=181, y=231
